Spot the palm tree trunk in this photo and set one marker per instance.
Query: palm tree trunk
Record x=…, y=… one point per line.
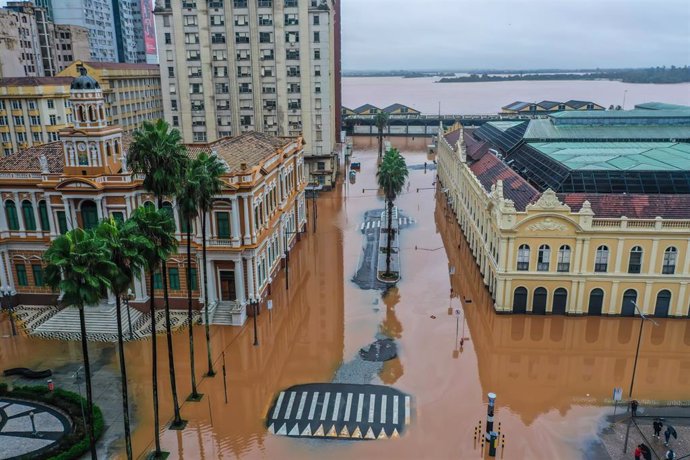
x=123, y=377
x=195, y=394
x=390, y=237
x=177, y=420
x=154, y=367
x=380, y=142
x=211, y=372
x=87, y=377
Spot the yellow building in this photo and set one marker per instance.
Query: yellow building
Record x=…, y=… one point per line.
x=33, y=110
x=562, y=226
x=132, y=92
x=75, y=182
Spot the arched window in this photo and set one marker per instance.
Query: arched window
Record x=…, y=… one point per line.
x=520, y=300
x=560, y=301
x=539, y=301
x=670, y=258
x=168, y=209
x=663, y=302
x=543, y=258
x=83, y=156
x=28, y=214
x=564, y=258
x=11, y=213
x=523, y=258
x=596, y=301
x=601, y=261
x=92, y=113
x=89, y=215
x=635, y=263
x=149, y=204
x=629, y=300
x=43, y=215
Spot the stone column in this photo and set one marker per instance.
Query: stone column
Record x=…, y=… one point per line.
x=211, y=276
x=646, y=307
x=619, y=255
x=68, y=213
x=176, y=216
x=250, y=276
x=652, y=257
x=247, y=229
x=8, y=264
x=239, y=281
x=99, y=207
x=20, y=214
x=37, y=218
x=3, y=274
x=680, y=304
x=140, y=293
x=613, y=305
x=4, y=228
x=235, y=225
x=54, y=230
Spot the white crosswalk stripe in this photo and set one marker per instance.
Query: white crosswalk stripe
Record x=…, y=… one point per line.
x=336, y=407
x=360, y=406
x=383, y=408
x=312, y=409
x=278, y=404
x=395, y=409
x=288, y=411
x=372, y=404
x=302, y=400
x=348, y=406
x=325, y=405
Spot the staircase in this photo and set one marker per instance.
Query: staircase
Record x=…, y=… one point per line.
x=229, y=313
x=101, y=322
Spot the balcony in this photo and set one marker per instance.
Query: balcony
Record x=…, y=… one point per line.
x=215, y=242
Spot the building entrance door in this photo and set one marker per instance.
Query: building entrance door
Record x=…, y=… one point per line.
x=227, y=285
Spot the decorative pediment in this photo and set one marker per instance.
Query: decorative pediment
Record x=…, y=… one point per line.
x=548, y=225
x=78, y=184
x=548, y=201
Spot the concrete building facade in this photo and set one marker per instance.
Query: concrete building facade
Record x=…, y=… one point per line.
x=272, y=66
x=20, y=45
x=71, y=44
x=601, y=228
x=83, y=178
x=95, y=15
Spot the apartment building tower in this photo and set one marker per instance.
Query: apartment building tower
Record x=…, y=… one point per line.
x=20, y=45
x=233, y=66
x=97, y=16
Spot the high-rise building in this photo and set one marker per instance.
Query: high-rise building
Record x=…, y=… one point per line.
x=20, y=46
x=97, y=16
x=71, y=44
x=232, y=66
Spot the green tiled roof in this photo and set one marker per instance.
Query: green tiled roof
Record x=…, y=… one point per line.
x=618, y=156
x=505, y=125
x=622, y=114
x=661, y=106
x=543, y=129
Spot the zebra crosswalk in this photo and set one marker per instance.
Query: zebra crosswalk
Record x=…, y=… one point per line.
x=340, y=411
x=371, y=224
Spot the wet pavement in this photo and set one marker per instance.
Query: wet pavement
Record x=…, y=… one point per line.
x=553, y=375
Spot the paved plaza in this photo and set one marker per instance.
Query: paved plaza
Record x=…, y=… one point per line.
x=29, y=427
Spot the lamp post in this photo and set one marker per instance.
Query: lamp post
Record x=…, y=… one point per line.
x=643, y=318
x=286, y=255
x=127, y=297
x=6, y=294
x=254, y=302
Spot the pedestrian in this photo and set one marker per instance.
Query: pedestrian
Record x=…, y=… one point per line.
x=638, y=453
x=646, y=451
x=633, y=407
x=670, y=455
x=667, y=435
x=657, y=427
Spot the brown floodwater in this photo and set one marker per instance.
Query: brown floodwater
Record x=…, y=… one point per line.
x=553, y=375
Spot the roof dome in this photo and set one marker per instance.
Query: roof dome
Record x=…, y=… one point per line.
x=84, y=81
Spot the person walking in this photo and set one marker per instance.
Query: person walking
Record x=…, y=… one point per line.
x=670, y=455
x=667, y=435
x=657, y=427
x=638, y=452
x=633, y=407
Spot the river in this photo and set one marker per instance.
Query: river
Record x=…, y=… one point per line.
x=487, y=98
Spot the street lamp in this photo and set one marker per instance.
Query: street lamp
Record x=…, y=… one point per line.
x=643, y=318
x=129, y=296
x=6, y=294
x=254, y=302
x=286, y=255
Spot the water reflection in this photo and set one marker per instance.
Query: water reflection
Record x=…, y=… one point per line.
x=391, y=327
x=538, y=363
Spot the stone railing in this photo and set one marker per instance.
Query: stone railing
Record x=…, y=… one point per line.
x=16, y=175
x=219, y=242
x=680, y=225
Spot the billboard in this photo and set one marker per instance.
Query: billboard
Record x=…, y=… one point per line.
x=149, y=26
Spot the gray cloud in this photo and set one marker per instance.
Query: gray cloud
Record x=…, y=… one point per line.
x=462, y=34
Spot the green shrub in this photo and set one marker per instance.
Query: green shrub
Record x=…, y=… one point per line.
x=73, y=444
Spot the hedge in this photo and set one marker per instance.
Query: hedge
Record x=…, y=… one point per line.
x=73, y=444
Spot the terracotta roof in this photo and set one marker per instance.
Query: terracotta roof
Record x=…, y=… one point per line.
x=489, y=169
x=250, y=148
x=476, y=148
x=121, y=65
x=634, y=206
x=27, y=160
x=35, y=81
x=452, y=136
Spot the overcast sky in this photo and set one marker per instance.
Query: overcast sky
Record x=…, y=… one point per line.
x=514, y=34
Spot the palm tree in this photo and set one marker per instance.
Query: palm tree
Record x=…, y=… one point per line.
x=381, y=121
x=158, y=228
x=77, y=264
x=157, y=151
x=210, y=168
x=391, y=177
x=126, y=247
x=187, y=200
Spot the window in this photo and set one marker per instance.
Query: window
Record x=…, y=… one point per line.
x=523, y=258
x=265, y=37
x=223, y=224
x=316, y=19
x=171, y=72
x=317, y=70
x=218, y=37
x=291, y=19
x=317, y=37
x=601, y=260
x=317, y=55
x=292, y=37
x=560, y=302
x=173, y=105
x=190, y=20
x=239, y=3
x=51, y=104
x=520, y=300
x=193, y=279
x=564, y=258
x=670, y=257
x=663, y=302
x=21, y=275
x=635, y=262
x=220, y=55
x=174, y=278
x=176, y=120
x=543, y=258
x=265, y=20
x=16, y=104
x=167, y=208
x=193, y=55
x=43, y=215
x=11, y=214
x=265, y=3
x=596, y=300
x=241, y=37
x=53, y=120
x=62, y=222
x=157, y=280
x=217, y=20
x=35, y=120
x=119, y=217
x=629, y=299
x=168, y=38
x=37, y=271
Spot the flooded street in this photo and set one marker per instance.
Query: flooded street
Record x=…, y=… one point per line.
x=552, y=375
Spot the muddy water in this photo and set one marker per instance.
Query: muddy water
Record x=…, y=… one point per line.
x=551, y=375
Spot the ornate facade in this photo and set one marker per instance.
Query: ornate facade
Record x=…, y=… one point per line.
x=568, y=253
x=49, y=189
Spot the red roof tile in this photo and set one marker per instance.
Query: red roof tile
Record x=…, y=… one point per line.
x=35, y=81
x=634, y=206
x=475, y=148
x=28, y=160
x=452, y=136
x=121, y=65
x=489, y=169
